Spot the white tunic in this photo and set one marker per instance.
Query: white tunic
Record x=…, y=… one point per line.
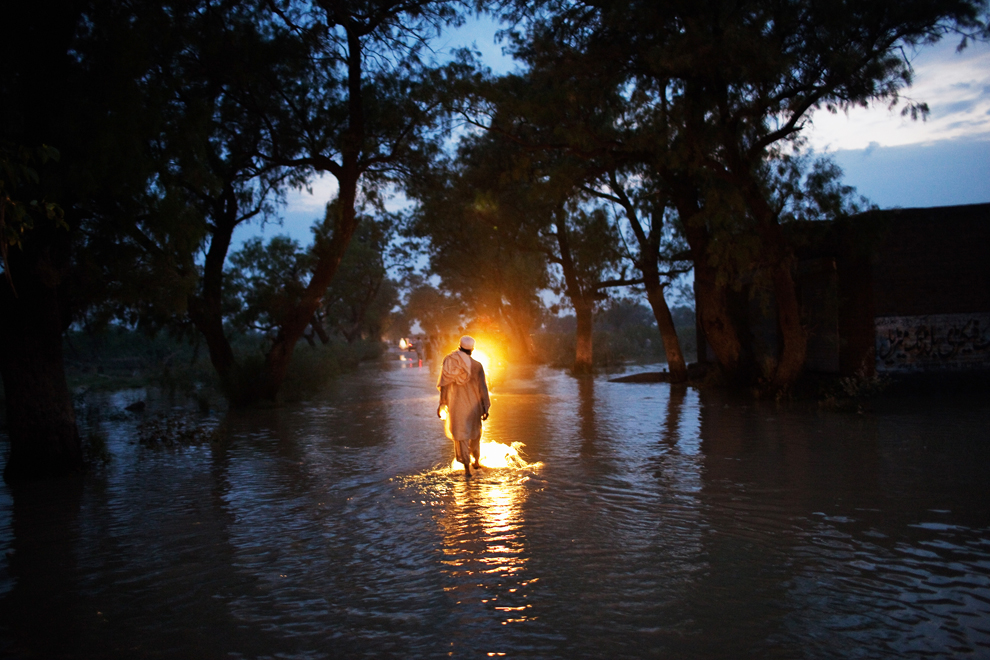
x=464, y=390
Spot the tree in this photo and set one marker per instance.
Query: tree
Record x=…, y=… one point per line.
x=704, y=94
x=359, y=302
x=482, y=225
x=41, y=421
x=214, y=83
x=660, y=254
x=66, y=81
x=439, y=314
x=266, y=280
x=258, y=97
x=572, y=134
x=586, y=249
x=368, y=108
x=537, y=200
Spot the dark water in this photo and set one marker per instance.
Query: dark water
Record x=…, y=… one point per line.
x=663, y=522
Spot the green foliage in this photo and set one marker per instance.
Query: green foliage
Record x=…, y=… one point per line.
x=196, y=95
x=19, y=170
x=703, y=101
x=438, y=312
x=250, y=98
x=313, y=367
x=482, y=223
x=115, y=357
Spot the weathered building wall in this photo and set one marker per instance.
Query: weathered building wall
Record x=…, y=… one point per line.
x=818, y=290
x=893, y=291
x=931, y=289
x=933, y=342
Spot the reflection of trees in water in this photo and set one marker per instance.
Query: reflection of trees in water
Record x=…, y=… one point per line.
x=678, y=462
x=675, y=405
x=766, y=469
x=677, y=466
x=586, y=413
x=40, y=612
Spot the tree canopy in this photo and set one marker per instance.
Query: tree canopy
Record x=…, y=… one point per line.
x=703, y=96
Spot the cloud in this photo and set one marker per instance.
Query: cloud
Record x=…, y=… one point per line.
x=322, y=189
x=956, y=87
x=955, y=107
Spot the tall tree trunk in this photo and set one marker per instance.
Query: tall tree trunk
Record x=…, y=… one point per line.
x=206, y=310
x=320, y=331
x=794, y=336
x=44, y=438
x=581, y=299
x=717, y=323
x=780, y=258
x=668, y=333
x=520, y=325
x=348, y=173
x=711, y=304
x=290, y=332
x=649, y=266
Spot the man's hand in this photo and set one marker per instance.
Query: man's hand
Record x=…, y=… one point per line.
x=484, y=416
x=439, y=408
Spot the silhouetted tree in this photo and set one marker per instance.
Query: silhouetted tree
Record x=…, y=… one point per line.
x=369, y=107
x=482, y=229
x=704, y=94
x=69, y=80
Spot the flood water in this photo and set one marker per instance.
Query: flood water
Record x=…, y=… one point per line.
x=659, y=522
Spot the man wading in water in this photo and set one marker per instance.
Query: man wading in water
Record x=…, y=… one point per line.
x=464, y=391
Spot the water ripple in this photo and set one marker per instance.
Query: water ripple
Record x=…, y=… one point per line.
x=659, y=521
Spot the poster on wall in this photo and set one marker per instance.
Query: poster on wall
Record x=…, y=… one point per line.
x=937, y=342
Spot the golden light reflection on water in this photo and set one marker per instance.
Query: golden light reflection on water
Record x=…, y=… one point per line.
x=497, y=455
x=484, y=543
x=482, y=525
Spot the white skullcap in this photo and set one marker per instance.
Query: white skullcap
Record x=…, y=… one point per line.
x=467, y=343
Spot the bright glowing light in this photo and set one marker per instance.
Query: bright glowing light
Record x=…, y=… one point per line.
x=403, y=344
x=497, y=455
x=483, y=358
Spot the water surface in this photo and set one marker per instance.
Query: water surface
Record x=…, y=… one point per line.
x=661, y=522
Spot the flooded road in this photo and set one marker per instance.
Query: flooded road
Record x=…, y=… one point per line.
x=656, y=522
